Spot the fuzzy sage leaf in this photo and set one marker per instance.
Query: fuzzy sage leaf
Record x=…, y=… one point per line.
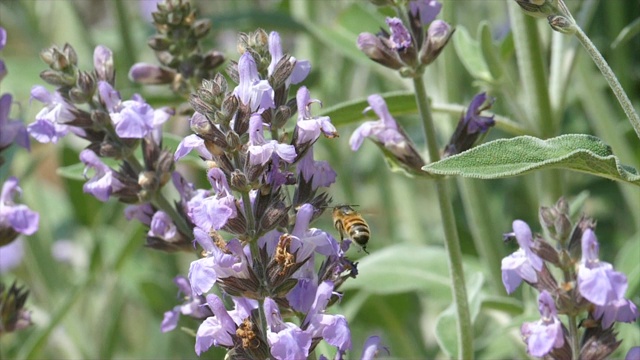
x=524, y=154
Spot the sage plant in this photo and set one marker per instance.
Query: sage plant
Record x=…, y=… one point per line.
x=590, y=292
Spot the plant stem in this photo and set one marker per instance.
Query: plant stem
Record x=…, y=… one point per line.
x=452, y=243
x=611, y=78
x=125, y=33
x=255, y=254
x=573, y=335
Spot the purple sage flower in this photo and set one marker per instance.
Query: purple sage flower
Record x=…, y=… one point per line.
x=287, y=340
x=400, y=37
x=260, y=150
x=301, y=68
x=522, y=264
x=50, y=121
x=308, y=128
x=332, y=328
x=251, y=90
x=597, y=281
x=387, y=134
x=132, y=119
x=633, y=354
x=427, y=10
x=621, y=310
x=319, y=173
x=372, y=347
x=192, y=306
x=104, y=181
x=545, y=334
x=15, y=218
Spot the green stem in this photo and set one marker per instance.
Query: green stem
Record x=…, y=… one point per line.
x=611, y=78
x=452, y=242
x=262, y=317
x=573, y=335
x=248, y=213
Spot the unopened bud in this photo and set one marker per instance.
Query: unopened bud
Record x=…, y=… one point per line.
x=230, y=106
x=57, y=78
x=212, y=60
x=239, y=181
x=273, y=216
x=150, y=74
x=103, y=64
x=282, y=71
x=562, y=24
x=438, y=36
x=159, y=43
x=77, y=96
x=376, y=50
x=232, y=71
x=537, y=8
x=201, y=28
x=562, y=227
x=283, y=113
x=147, y=180
x=70, y=54
x=233, y=139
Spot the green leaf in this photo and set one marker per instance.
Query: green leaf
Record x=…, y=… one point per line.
x=470, y=54
x=73, y=172
x=627, y=33
x=404, y=268
x=524, y=154
x=490, y=51
x=507, y=305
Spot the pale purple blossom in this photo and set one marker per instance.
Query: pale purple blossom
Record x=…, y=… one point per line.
x=162, y=226
x=192, y=306
x=597, y=281
x=103, y=63
x=11, y=130
x=471, y=126
x=189, y=143
x=332, y=328
x=104, y=181
x=522, y=264
x=633, y=354
x=385, y=130
x=16, y=216
x=621, y=310
x=286, y=340
x=372, y=347
x=301, y=68
x=251, y=90
x=319, y=173
x=308, y=127
x=50, y=121
x=545, y=334
x=132, y=119
x=260, y=150
x=218, y=263
x=400, y=36
x=427, y=10
x=143, y=213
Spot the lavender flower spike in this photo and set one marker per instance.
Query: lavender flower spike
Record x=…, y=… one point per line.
x=546, y=334
x=522, y=264
x=597, y=281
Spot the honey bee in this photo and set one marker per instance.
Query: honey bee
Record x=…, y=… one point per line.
x=349, y=222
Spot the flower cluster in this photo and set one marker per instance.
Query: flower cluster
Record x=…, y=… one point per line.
x=406, y=47
x=278, y=274
x=86, y=104
x=177, y=48
x=589, y=285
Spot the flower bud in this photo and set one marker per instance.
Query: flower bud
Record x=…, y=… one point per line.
x=77, y=96
x=239, y=181
x=233, y=139
x=150, y=74
x=273, y=216
x=282, y=115
x=70, y=54
x=147, y=180
x=438, y=36
x=376, y=50
x=282, y=71
x=57, y=78
x=103, y=64
x=537, y=8
x=562, y=24
x=13, y=315
x=229, y=107
x=212, y=60
x=201, y=28
x=86, y=83
x=159, y=43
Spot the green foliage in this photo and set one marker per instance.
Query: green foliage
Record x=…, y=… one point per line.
x=524, y=154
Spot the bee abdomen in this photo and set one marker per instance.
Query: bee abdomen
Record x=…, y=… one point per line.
x=359, y=232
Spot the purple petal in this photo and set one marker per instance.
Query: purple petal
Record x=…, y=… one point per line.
x=426, y=9
x=45, y=131
x=3, y=37
x=23, y=220
x=189, y=143
x=202, y=276
x=170, y=320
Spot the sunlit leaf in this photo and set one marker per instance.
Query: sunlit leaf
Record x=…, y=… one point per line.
x=524, y=154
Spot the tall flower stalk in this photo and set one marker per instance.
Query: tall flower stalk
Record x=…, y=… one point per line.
x=408, y=49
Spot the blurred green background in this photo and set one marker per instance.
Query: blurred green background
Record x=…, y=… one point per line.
x=106, y=300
